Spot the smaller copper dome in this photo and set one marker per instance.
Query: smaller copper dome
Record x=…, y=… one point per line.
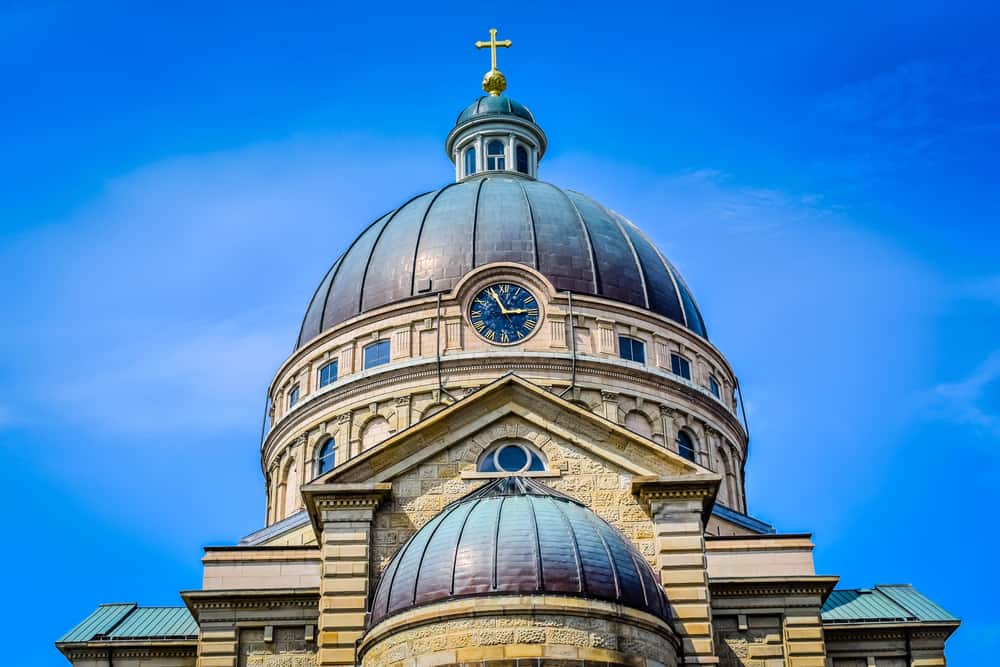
x=517, y=536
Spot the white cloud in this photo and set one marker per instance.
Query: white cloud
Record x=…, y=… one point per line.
x=971, y=400
x=167, y=303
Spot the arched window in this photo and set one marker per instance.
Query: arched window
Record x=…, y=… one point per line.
x=495, y=156
x=511, y=457
x=326, y=459
x=685, y=445
x=470, y=160
x=522, y=159
x=725, y=490
x=374, y=432
x=637, y=422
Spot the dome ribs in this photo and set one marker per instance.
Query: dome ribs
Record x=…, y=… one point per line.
x=470, y=577
x=590, y=242
x=342, y=297
x=664, y=296
x=581, y=576
x=434, y=578
x=475, y=219
x=516, y=536
x=562, y=246
x=436, y=238
x=394, y=277
x=620, y=277
x=312, y=322
x=635, y=256
x=531, y=224
x=420, y=233
x=458, y=542
x=503, y=232
x=444, y=250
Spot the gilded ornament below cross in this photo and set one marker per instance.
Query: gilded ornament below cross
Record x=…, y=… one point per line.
x=494, y=82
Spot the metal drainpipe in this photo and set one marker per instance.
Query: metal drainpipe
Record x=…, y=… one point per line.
x=572, y=344
x=437, y=333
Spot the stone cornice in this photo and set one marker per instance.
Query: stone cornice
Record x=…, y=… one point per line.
x=426, y=370
x=257, y=599
x=158, y=648
x=350, y=497
x=889, y=631
x=741, y=587
x=702, y=487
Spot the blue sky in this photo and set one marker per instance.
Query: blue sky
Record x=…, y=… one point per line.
x=175, y=181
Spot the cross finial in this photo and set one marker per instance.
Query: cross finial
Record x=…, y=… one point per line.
x=494, y=82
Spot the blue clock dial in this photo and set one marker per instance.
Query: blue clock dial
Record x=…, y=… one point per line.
x=504, y=313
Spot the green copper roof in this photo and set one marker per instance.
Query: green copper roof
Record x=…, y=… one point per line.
x=886, y=603
x=130, y=621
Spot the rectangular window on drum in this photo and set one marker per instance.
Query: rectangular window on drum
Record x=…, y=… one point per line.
x=680, y=366
x=376, y=354
x=631, y=349
x=293, y=396
x=328, y=374
x=713, y=386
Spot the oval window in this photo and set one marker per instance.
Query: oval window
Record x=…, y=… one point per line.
x=512, y=458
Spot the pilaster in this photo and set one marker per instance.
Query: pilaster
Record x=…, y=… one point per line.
x=679, y=507
x=342, y=516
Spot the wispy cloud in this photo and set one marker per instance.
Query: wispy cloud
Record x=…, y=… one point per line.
x=166, y=304
x=973, y=400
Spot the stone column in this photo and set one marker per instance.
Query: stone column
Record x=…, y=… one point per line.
x=342, y=515
x=679, y=507
x=610, y=402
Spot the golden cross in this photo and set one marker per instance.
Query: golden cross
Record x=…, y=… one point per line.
x=493, y=44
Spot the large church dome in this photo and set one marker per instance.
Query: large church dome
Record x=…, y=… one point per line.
x=429, y=243
x=517, y=536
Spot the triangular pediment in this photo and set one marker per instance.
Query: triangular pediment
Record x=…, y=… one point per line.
x=513, y=407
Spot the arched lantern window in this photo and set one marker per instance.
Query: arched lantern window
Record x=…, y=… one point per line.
x=470, y=160
x=522, y=159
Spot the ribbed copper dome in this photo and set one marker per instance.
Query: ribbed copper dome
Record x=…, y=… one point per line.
x=429, y=243
x=517, y=536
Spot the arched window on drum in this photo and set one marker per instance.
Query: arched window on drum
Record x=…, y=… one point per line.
x=685, y=445
x=326, y=458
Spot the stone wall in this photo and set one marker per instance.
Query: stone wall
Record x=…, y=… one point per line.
x=749, y=641
x=516, y=636
x=279, y=647
x=648, y=397
x=421, y=493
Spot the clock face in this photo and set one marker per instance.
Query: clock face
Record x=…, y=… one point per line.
x=504, y=313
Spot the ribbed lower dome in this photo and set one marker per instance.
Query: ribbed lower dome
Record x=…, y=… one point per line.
x=517, y=536
x=429, y=243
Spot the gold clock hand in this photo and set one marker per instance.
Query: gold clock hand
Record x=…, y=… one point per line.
x=503, y=311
